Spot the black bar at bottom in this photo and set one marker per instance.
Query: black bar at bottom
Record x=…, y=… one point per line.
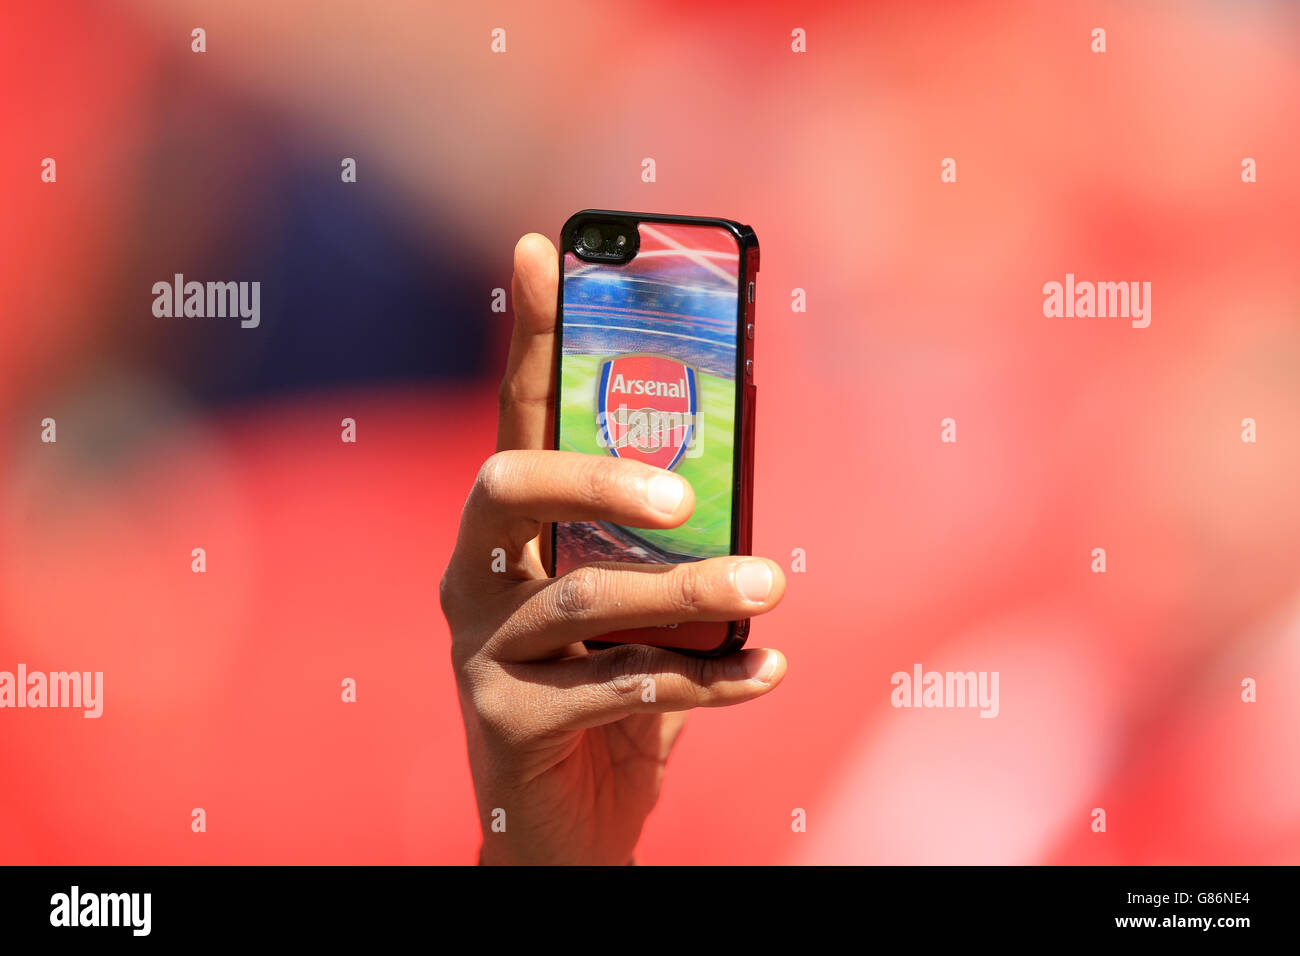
x=383, y=904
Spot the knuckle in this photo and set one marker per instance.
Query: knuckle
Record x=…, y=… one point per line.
x=466, y=624
x=461, y=663
x=492, y=707
x=466, y=663
x=687, y=588
x=600, y=482
x=622, y=670
x=494, y=477
x=576, y=594
x=506, y=393
x=453, y=608
x=512, y=396
x=447, y=595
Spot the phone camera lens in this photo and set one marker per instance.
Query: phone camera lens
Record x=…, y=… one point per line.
x=593, y=238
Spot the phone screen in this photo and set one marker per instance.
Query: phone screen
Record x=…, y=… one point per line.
x=648, y=371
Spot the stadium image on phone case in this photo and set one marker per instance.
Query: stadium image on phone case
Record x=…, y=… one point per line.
x=648, y=372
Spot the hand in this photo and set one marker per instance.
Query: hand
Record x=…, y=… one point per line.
x=564, y=749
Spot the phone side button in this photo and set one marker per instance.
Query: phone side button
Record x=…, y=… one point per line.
x=749, y=370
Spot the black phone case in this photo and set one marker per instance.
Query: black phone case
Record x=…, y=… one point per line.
x=745, y=399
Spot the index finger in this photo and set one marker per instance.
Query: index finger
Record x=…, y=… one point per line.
x=527, y=397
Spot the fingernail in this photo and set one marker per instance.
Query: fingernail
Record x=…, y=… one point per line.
x=761, y=667
x=665, y=493
x=754, y=580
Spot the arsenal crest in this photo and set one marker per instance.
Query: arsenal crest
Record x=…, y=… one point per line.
x=646, y=407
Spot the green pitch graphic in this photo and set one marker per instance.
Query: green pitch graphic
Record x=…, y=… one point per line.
x=707, y=533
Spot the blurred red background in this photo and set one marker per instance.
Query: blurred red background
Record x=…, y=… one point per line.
x=1119, y=691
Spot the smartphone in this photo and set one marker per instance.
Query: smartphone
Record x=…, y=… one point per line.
x=655, y=362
